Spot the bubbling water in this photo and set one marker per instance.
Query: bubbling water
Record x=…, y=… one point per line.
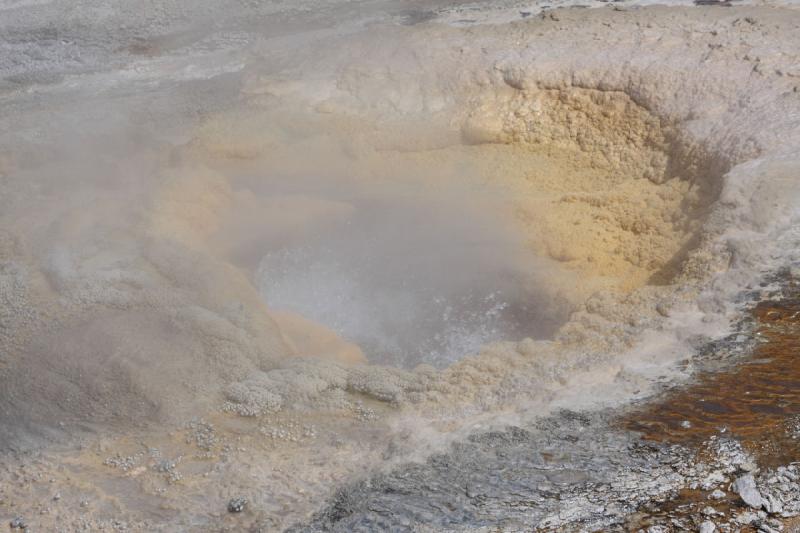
x=412, y=276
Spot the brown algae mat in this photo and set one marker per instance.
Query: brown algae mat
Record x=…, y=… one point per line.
x=755, y=401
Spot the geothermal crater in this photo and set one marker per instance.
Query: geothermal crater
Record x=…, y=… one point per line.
x=311, y=261
x=424, y=255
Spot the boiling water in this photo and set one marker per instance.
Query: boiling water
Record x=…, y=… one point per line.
x=411, y=276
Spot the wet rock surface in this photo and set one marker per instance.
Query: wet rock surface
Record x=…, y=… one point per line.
x=570, y=471
x=569, y=468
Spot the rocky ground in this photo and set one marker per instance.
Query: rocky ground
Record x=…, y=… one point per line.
x=571, y=472
x=699, y=457
x=588, y=472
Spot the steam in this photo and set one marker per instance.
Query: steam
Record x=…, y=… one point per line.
x=413, y=274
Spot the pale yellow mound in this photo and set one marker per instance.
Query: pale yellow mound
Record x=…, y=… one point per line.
x=597, y=182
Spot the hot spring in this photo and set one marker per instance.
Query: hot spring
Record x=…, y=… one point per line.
x=330, y=266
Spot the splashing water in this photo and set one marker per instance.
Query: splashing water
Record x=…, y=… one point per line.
x=409, y=280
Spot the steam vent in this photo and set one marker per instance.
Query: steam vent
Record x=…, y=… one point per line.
x=400, y=266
